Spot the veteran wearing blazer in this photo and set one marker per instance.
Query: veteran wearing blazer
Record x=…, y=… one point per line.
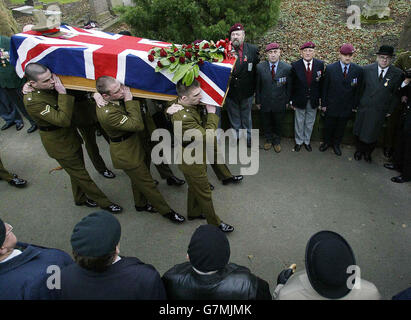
x=339, y=97
x=379, y=95
x=272, y=95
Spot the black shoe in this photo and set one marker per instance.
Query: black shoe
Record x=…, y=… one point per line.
x=148, y=207
x=337, y=150
x=17, y=182
x=113, y=208
x=196, y=217
x=156, y=182
x=88, y=203
x=174, y=216
x=390, y=166
x=226, y=227
x=308, y=147
x=399, y=179
x=324, y=147
x=19, y=126
x=297, y=147
x=233, y=179
x=367, y=158
x=388, y=152
x=358, y=155
x=175, y=181
x=108, y=174
x=32, y=128
x=6, y=126
x=211, y=187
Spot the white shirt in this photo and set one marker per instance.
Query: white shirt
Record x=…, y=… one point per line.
x=385, y=71
x=14, y=254
x=306, y=63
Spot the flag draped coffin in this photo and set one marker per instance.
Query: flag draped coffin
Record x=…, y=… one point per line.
x=90, y=54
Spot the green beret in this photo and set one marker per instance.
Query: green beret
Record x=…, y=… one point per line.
x=96, y=235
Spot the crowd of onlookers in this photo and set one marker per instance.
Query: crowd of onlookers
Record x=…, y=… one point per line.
x=99, y=272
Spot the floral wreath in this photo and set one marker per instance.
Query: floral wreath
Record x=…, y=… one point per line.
x=4, y=57
x=183, y=60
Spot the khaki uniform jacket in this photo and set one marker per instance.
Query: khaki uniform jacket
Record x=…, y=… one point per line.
x=118, y=120
x=48, y=108
x=403, y=61
x=191, y=118
x=298, y=287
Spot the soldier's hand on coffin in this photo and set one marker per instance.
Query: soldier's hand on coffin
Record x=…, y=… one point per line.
x=98, y=98
x=58, y=86
x=174, y=108
x=127, y=94
x=27, y=88
x=210, y=108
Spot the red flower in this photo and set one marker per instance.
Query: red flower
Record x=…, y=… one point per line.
x=188, y=55
x=183, y=46
x=175, y=49
x=153, y=52
x=172, y=59
x=197, y=47
x=151, y=57
x=159, y=64
x=182, y=60
x=189, y=46
x=200, y=61
x=226, y=40
x=163, y=53
x=206, y=46
x=215, y=60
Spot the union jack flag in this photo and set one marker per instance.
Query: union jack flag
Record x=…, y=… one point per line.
x=91, y=54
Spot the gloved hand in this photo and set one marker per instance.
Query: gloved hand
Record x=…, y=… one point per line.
x=286, y=274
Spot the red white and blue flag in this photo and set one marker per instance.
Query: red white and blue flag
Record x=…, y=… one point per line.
x=91, y=54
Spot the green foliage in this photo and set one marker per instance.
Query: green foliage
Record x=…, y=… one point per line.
x=183, y=21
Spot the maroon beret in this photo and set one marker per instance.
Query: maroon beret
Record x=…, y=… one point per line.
x=272, y=46
x=307, y=45
x=347, y=48
x=237, y=26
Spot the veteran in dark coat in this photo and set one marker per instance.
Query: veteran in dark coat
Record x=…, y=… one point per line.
x=379, y=95
x=122, y=121
x=273, y=94
x=52, y=109
x=339, y=97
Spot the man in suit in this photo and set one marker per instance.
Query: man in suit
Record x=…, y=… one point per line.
x=272, y=95
x=242, y=85
x=52, y=108
x=306, y=76
x=379, y=95
x=402, y=154
x=339, y=97
x=393, y=122
x=188, y=112
x=121, y=120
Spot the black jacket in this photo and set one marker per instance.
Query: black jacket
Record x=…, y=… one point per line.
x=341, y=95
x=243, y=77
x=232, y=283
x=300, y=92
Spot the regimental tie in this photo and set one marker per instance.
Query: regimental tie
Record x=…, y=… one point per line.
x=273, y=71
x=345, y=72
x=308, y=74
x=381, y=75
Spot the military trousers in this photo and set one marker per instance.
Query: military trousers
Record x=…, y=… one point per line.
x=89, y=136
x=163, y=168
x=145, y=190
x=4, y=174
x=199, y=199
x=81, y=183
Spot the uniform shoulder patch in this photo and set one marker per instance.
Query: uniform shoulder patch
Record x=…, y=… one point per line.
x=46, y=110
x=124, y=119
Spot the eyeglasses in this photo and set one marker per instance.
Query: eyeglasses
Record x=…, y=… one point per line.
x=10, y=229
x=384, y=58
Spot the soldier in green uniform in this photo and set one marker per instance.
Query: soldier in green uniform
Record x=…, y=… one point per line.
x=121, y=119
x=52, y=109
x=85, y=120
x=199, y=200
x=404, y=63
x=12, y=179
x=149, y=126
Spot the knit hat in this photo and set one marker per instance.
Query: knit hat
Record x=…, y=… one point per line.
x=209, y=249
x=2, y=232
x=96, y=235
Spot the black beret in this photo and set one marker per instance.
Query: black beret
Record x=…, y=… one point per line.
x=2, y=232
x=209, y=249
x=96, y=235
